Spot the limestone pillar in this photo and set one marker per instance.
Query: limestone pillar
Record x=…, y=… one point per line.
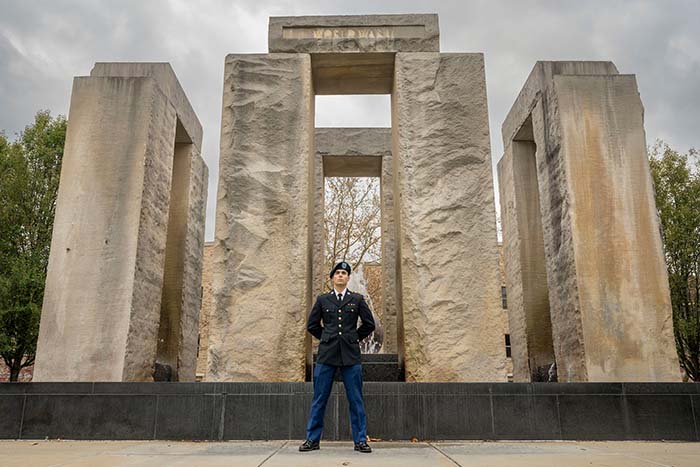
x=448, y=258
x=261, y=269
x=607, y=284
x=530, y=328
x=182, y=283
x=107, y=271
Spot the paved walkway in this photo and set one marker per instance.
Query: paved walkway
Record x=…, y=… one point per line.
x=403, y=454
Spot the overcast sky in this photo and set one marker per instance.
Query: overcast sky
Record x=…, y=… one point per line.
x=44, y=44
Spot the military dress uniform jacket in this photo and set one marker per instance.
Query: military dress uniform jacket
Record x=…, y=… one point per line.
x=340, y=337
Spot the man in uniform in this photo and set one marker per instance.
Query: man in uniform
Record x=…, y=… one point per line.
x=339, y=348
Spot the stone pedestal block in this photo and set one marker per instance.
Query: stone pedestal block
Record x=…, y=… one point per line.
x=448, y=258
x=261, y=268
x=574, y=143
x=128, y=235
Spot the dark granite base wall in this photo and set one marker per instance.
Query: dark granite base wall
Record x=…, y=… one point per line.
x=396, y=411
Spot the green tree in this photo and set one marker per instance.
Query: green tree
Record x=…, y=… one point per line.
x=677, y=184
x=29, y=172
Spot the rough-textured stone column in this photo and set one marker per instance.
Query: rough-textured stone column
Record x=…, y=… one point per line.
x=319, y=271
x=530, y=327
x=182, y=283
x=445, y=212
x=206, y=311
x=261, y=268
x=608, y=287
x=102, y=303
x=389, y=290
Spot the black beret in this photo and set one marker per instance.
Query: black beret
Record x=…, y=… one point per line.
x=341, y=265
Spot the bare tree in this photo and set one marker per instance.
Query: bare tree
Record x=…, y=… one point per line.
x=352, y=220
x=352, y=227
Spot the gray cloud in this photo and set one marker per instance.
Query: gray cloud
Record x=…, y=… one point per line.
x=44, y=44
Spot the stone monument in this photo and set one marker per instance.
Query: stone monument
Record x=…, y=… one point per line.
x=585, y=269
x=440, y=250
x=122, y=292
x=582, y=252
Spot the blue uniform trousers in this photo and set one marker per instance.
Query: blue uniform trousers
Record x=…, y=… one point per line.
x=323, y=383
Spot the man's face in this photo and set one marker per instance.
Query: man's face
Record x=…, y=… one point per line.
x=340, y=278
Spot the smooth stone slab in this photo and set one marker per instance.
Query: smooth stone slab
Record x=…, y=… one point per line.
x=101, y=309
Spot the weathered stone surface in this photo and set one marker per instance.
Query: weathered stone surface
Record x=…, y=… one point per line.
x=352, y=73
x=125, y=262
x=504, y=312
x=389, y=276
x=319, y=271
x=194, y=263
x=622, y=279
x=448, y=268
x=262, y=261
x=540, y=82
x=536, y=103
x=103, y=289
x=189, y=130
x=354, y=33
x=205, y=311
x=182, y=293
x=608, y=289
x=530, y=327
x=353, y=152
x=354, y=54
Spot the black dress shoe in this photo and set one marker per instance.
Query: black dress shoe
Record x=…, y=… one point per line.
x=362, y=447
x=309, y=446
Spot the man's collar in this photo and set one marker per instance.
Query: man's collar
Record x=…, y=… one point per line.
x=344, y=291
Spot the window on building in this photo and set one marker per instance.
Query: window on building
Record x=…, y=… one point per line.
x=504, y=297
x=508, y=346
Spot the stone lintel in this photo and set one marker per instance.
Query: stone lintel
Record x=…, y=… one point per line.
x=353, y=141
x=357, y=73
x=354, y=33
x=189, y=129
x=540, y=81
x=354, y=54
x=353, y=152
x=352, y=166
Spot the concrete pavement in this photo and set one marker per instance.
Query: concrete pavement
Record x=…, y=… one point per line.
x=404, y=454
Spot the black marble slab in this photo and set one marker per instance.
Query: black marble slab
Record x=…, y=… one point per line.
x=395, y=411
